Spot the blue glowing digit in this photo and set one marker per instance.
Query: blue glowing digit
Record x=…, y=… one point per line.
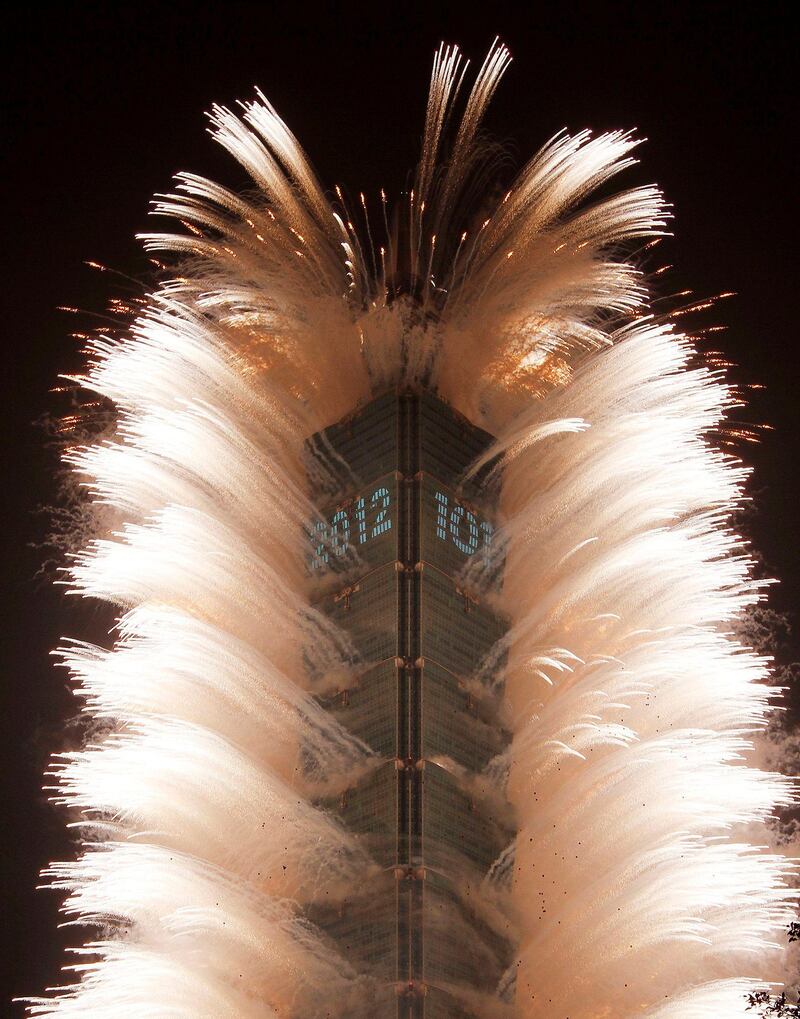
x=361, y=521
x=488, y=534
x=441, y=516
x=340, y=537
x=319, y=538
x=456, y=516
x=381, y=523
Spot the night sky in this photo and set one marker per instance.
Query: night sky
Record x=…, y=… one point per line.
x=102, y=108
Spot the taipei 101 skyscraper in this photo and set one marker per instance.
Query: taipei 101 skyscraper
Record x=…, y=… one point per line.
x=390, y=550
x=428, y=693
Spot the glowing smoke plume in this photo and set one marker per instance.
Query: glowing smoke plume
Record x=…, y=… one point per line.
x=638, y=882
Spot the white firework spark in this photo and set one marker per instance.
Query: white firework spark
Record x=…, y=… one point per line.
x=639, y=881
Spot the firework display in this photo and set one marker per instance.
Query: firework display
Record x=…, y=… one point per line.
x=455, y=413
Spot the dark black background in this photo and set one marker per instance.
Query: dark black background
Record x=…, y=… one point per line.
x=102, y=105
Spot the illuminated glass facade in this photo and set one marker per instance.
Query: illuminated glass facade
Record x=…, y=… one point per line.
x=398, y=526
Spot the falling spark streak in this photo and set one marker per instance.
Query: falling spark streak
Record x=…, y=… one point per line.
x=638, y=881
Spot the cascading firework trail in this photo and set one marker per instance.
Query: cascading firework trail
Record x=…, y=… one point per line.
x=639, y=881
